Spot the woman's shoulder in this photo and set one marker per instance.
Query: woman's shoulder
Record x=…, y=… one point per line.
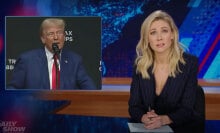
x=188, y=57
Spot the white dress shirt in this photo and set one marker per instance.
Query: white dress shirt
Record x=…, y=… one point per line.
x=50, y=61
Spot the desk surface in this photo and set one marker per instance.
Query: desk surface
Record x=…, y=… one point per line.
x=112, y=102
x=127, y=81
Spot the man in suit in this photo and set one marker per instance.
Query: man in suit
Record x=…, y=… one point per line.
x=34, y=69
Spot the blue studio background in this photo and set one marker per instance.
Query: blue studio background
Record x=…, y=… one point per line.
x=199, y=25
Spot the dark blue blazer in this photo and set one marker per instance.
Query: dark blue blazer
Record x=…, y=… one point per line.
x=177, y=99
x=31, y=72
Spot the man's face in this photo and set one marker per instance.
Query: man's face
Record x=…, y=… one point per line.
x=53, y=34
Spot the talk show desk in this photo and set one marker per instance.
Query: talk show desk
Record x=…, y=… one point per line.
x=112, y=100
x=110, y=103
x=90, y=103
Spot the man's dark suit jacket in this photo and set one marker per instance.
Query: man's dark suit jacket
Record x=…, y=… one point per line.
x=31, y=72
x=177, y=99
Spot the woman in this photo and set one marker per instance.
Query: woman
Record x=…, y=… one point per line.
x=164, y=82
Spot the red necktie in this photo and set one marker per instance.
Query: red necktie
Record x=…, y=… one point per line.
x=55, y=74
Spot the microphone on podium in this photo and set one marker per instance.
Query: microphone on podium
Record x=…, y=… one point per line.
x=55, y=48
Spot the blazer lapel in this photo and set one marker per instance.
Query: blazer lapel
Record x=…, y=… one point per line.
x=150, y=88
x=63, y=68
x=43, y=69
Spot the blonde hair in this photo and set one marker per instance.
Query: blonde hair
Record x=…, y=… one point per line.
x=52, y=22
x=145, y=55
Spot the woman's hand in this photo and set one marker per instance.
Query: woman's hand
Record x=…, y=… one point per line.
x=151, y=120
x=155, y=122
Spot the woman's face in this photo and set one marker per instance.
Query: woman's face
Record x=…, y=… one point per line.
x=160, y=36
